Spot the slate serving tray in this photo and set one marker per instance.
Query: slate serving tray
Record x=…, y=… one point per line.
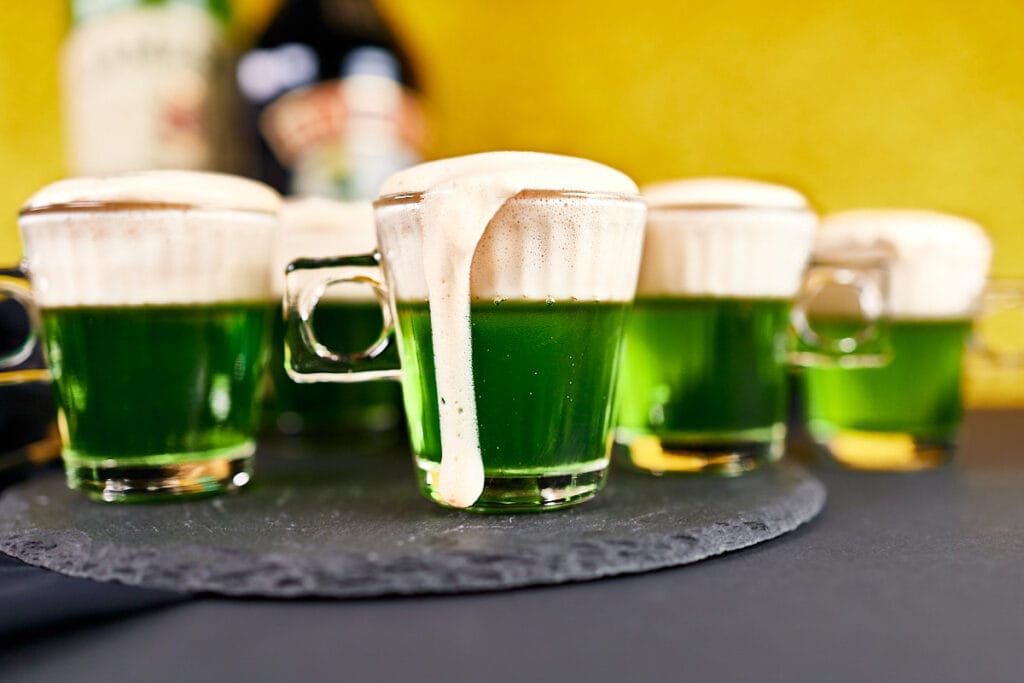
x=343, y=519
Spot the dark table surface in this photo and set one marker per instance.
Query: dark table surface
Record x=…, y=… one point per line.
x=902, y=578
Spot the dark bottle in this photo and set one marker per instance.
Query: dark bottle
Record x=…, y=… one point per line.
x=333, y=98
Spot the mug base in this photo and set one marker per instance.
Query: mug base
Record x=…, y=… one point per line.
x=160, y=478
x=523, y=492
x=886, y=451
x=659, y=455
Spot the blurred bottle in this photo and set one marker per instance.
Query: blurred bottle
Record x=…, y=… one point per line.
x=149, y=84
x=334, y=99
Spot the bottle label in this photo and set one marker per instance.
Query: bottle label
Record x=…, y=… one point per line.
x=148, y=87
x=336, y=150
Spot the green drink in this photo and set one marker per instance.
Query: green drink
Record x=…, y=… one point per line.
x=703, y=376
x=704, y=385
x=154, y=291
x=903, y=415
x=327, y=408
x=543, y=383
x=881, y=326
x=154, y=386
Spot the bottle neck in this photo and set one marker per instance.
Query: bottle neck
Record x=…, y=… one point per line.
x=87, y=10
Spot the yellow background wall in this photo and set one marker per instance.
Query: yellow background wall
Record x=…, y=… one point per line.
x=31, y=151
x=914, y=102
x=883, y=102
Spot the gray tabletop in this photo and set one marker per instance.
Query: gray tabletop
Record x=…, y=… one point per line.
x=902, y=577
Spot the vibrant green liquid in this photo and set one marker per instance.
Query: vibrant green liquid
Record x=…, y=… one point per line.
x=543, y=376
x=696, y=368
x=917, y=392
x=165, y=382
x=342, y=326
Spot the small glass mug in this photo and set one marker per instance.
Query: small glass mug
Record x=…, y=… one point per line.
x=704, y=385
x=154, y=302
x=879, y=345
x=28, y=432
x=347, y=317
x=994, y=367
x=552, y=279
x=16, y=288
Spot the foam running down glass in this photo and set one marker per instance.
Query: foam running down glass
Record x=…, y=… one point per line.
x=547, y=281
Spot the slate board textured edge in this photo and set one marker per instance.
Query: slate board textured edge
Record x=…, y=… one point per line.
x=229, y=572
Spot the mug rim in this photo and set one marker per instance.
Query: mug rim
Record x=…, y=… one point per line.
x=403, y=198
x=122, y=205
x=728, y=206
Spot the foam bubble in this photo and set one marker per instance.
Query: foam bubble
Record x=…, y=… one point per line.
x=319, y=228
x=148, y=256
x=725, y=237
x=938, y=263
x=187, y=188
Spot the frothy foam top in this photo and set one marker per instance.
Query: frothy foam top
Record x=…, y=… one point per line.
x=185, y=188
x=143, y=257
x=318, y=228
x=460, y=196
x=523, y=253
x=499, y=172
x=938, y=263
x=725, y=237
x=739, y=192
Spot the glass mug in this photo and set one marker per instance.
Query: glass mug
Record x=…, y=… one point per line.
x=704, y=386
x=154, y=300
x=994, y=372
x=15, y=288
x=880, y=366
x=551, y=280
x=347, y=317
x=28, y=432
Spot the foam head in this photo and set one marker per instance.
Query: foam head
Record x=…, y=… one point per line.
x=723, y=192
x=725, y=237
x=178, y=188
x=160, y=237
x=317, y=228
x=509, y=172
x=938, y=263
x=556, y=227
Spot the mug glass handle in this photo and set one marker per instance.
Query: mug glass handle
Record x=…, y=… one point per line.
x=17, y=289
x=307, y=360
x=998, y=334
x=839, y=316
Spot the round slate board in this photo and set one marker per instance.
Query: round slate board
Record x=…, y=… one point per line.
x=325, y=519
